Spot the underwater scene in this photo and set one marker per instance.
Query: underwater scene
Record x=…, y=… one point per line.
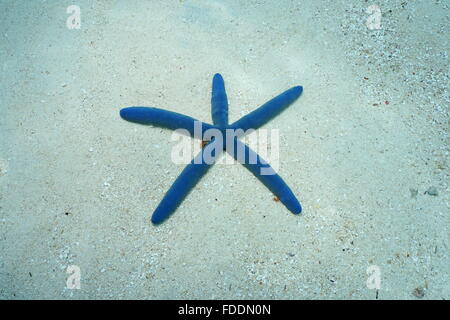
x=224, y=149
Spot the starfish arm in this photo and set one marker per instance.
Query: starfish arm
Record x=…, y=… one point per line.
x=166, y=119
x=185, y=182
x=267, y=111
x=219, y=102
x=265, y=173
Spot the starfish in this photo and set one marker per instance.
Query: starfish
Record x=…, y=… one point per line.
x=217, y=142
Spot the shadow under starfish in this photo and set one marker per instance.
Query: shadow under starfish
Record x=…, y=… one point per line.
x=195, y=170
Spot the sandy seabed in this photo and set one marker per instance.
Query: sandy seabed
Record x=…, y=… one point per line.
x=365, y=149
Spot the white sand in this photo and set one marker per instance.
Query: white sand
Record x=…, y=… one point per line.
x=64, y=149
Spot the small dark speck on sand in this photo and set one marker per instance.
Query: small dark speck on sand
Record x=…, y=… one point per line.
x=419, y=292
x=432, y=191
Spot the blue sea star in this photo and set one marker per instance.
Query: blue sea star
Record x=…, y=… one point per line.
x=200, y=164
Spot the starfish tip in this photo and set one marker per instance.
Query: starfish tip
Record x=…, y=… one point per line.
x=157, y=219
x=295, y=207
x=298, y=90
x=217, y=76
x=124, y=113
